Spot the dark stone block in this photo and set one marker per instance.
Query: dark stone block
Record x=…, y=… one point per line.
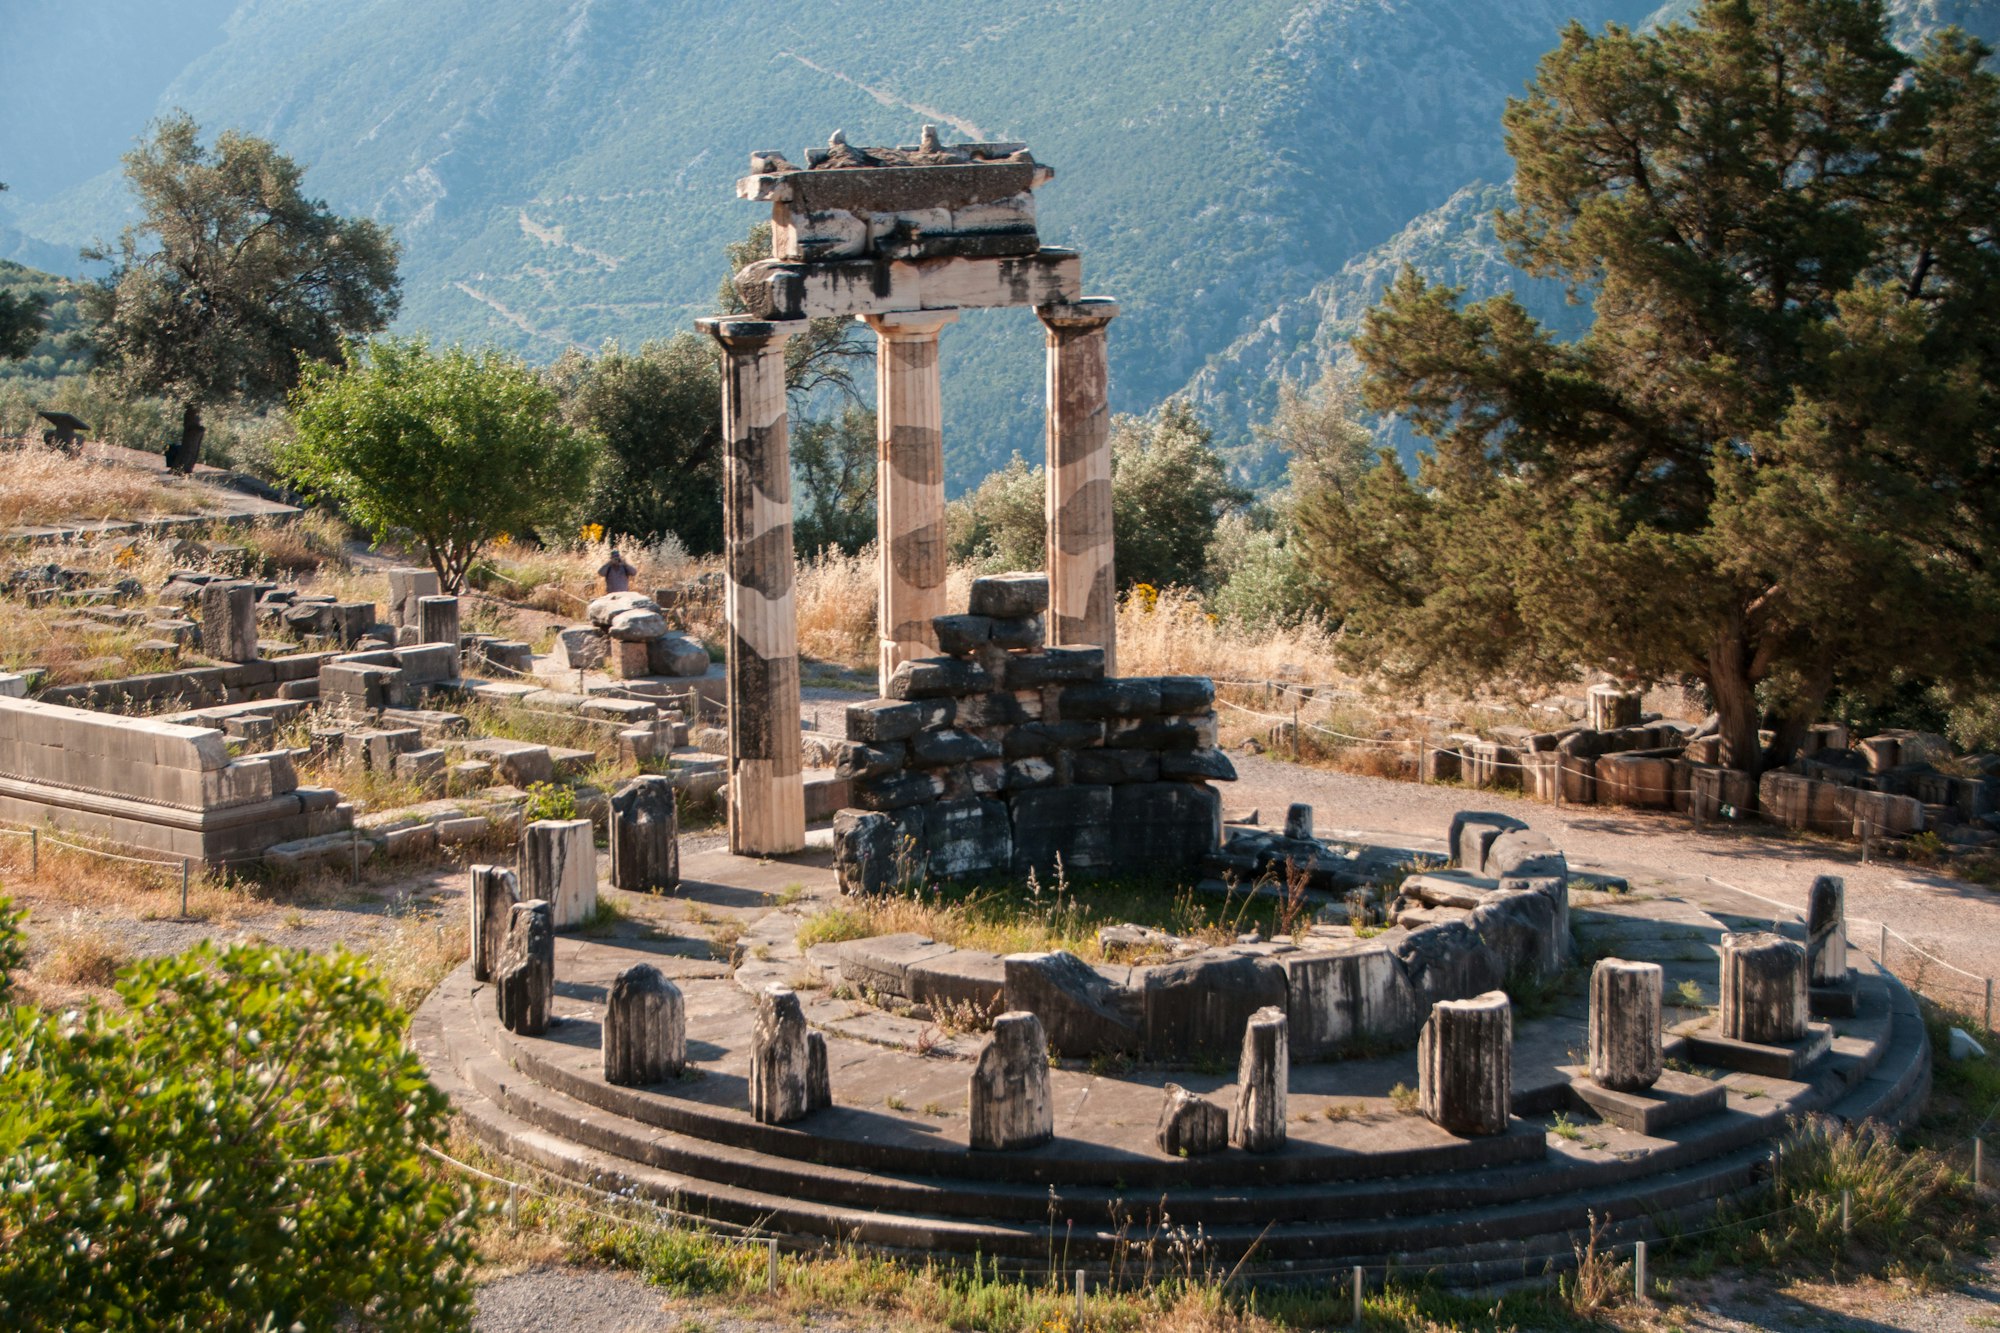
x=968, y=837
x=1448, y=961
x=1010, y=596
x=1018, y=634
x=897, y=790
x=1157, y=733
x=1029, y=773
x=869, y=761
x=881, y=720
x=1472, y=832
x=1186, y=694
x=1197, y=766
x=933, y=677
x=950, y=747
x=1045, y=738
x=1201, y=1006
x=1085, y=1010
x=989, y=710
x=1164, y=823
x=1115, y=766
x=1070, y=823
x=872, y=850
x=1520, y=928
x=961, y=636
x=1137, y=697
x=1055, y=666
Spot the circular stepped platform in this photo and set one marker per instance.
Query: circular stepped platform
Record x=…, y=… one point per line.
x=1359, y=1182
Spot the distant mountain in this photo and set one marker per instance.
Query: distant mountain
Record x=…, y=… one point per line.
x=561, y=173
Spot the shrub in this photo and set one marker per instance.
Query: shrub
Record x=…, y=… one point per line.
x=238, y=1147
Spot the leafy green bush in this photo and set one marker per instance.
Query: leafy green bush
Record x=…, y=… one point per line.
x=239, y=1147
x=549, y=800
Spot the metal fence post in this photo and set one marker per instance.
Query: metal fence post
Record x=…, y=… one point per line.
x=184, y=887
x=1639, y=1270
x=1359, y=1272
x=1079, y=1298
x=34, y=853
x=771, y=1266
x=1847, y=1212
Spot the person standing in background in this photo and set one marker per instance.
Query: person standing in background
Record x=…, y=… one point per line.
x=616, y=573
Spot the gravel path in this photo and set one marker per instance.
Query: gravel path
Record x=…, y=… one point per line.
x=1958, y=921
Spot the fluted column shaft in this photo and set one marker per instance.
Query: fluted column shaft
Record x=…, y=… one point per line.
x=1083, y=585
x=909, y=481
x=767, y=810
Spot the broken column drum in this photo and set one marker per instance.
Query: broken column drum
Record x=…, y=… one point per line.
x=788, y=1073
x=1826, y=932
x=645, y=1028
x=909, y=483
x=229, y=621
x=767, y=795
x=1625, y=1024
x=1009, y=1091
x=903, y=238
x=645, y=837
x=491, y=892
x=1763, y=988
x=1263, y=1083
x=1465, y=1065
x=524, y=986
x=1191, y=1126
x=437, y=620
x=559, y=865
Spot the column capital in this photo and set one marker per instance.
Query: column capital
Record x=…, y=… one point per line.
x=740, y=333
x=1081, y=316
x=896, y=324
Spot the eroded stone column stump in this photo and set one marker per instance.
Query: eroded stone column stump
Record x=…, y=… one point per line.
x=1191, y=1126
x=1010, y=1099
x=767, y=795
x=645, y=837
x=1263, y=1083
x=1625, y=1025
x=788, y=1076
x=491, y=892
x=525, y=985
x=437, y=620
x=1826, y=932
x=1611, y=708
x=1763, y=988
x=1083, y=588
x=559, y=865
x=229, y=621
x=910, y=480
x=1465, y=1065
x=645, y=1028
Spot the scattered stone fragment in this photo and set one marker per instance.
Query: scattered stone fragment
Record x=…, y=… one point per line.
x=1191, y=1126
x=645, y=1028
x=559, y=865
x=782, y=1083
x=645, y=836
x=1263, y=1084
x=524, y=987
x=492, y=892
x=1010, y=1100
x=1826, y=931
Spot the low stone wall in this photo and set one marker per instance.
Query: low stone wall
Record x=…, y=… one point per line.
x=292, y=677
x=1006, y=756
x=151, y=786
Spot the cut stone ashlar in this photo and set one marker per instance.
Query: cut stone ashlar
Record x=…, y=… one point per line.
x=559, y=865
x=524, y=986
x=491, y=892
x=645, y=841
x=645, y=1028
x=788, y=1070
x=1191, y=1126
x=1009, y=1092
x=1625, y=1024
x=1763, y=988
x=1465, y=1065
x=1263, y=1080
x=1826, y=931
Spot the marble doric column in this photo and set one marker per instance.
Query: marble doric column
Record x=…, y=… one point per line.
x=1083, y=587
x=767, y=809
x=909, y=496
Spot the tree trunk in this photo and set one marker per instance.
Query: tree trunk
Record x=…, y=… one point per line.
x=183, y=456
x=1792, y=726
x=1735, y=697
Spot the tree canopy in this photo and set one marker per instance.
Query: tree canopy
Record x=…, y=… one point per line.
x=21, y=317
x=1770, y=465
x=453, y=447
x=237, y=1146
x=233, y=279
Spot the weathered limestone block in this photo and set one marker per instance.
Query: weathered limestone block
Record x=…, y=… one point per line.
x=603, y=610
x=1070, y=824
x=1826, y=932
x=1198, y=1006
x=875, y=851
x=645, y=837
x=229, y=621
x=1438, y=764
x=1520, y=928
x=1299, y=821
x=1164, y=823
x=645, y=1028
x=581, y=648
x=1625, y=1024
x=525, y=985
x=1191, y=1126
x=1472, y=832
x=1611, y=708
x=437, y=621
x=1011, y=1104
x=678, y=655
x=1448, y=961
x=1337, y=1000
x=783, y=1084
x=1639, y=780
x=1541, y=775
x=638, y=625
x=968, y=837
x=492, y=892
x=1465, y=1065
x=1263, y=1084
x=407, y=587
x=1763, y=988
x=559, y=864
x=1489, y=764
x=1009, y=596
x=1084, y=1010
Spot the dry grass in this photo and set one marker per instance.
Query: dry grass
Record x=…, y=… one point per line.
x=39, y=485
x=419, y=954
x=80, y=955
x=69, y=879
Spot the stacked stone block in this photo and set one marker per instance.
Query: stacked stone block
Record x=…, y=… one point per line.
x=1003, y=755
